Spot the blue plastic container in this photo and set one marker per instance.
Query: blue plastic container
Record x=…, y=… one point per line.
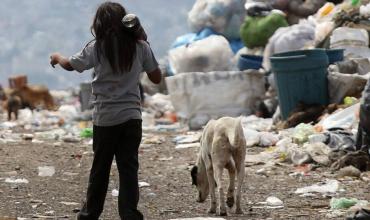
x=247, y=62
x=301, y=76
x=335, y=55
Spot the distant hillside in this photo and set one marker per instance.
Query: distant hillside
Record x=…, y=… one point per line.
x=31, y=30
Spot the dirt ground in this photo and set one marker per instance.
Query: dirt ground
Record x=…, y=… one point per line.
x=170, y=194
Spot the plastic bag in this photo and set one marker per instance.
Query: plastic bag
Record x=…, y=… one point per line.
x=340, y=140
x=223, y=16
x=252, y=137
x=331, y=186
x=355, y=42
x=210, y=54
x=256, y=31
x=235, y=44
x=87, y=133
x=323, y=29
x=344, y=119
x=199, y=93
x=289, y=38
x=319, y=152
x=365, y=10
x=302, y=132
x=342, y=203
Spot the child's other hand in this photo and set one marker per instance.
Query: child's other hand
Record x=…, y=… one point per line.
x=54, y=59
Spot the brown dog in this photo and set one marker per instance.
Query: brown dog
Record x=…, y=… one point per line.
x=33, y=96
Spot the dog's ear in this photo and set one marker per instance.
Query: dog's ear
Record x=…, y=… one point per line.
x=194, y=174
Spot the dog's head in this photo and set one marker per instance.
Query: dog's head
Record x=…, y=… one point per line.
x=200, y=180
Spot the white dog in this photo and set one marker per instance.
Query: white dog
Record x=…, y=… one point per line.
x=222, y=146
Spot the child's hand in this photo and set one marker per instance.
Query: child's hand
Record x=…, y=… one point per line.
x=54, y=59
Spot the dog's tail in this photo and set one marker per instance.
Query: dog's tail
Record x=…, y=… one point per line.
x=239, y=138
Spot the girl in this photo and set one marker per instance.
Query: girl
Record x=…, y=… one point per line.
x=118, y=55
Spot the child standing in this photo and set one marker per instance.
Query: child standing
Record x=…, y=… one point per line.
x=118, y=55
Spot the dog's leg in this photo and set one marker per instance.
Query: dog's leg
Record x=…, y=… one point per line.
x=9, y=114
x=240, y=170
x=16, y=114
x=212, y=189
x=218, y=169
x=230, y=192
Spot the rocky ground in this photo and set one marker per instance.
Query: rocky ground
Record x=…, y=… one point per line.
x=170, y=194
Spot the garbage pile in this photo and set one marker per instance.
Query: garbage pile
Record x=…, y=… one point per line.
x=297, y=70
x=303, y=79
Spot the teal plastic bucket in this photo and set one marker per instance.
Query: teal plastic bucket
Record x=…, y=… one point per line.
x=301, y=76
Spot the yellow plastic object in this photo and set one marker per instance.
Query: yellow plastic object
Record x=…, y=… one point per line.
x=326, y=9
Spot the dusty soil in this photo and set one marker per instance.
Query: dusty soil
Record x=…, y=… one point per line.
x=170, y=194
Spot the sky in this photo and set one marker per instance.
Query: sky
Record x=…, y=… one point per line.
x=32, y=29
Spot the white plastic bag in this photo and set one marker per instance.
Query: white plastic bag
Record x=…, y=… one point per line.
x=319, y=152
x=210, y=54
x=331, y=186
x=223, y=16
x=215, y=94
x=290, y=38
x=345, y=119
x=355, y=42
x=252, y=137
x=365, y=10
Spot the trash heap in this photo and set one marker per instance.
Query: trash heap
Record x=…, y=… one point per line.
x=296, y=70
x=314, y=56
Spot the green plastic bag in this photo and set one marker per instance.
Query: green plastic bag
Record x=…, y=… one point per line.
x=342, y=203
x=87, y=133
x=302, y=132
x=256, y=31
x=355, y=2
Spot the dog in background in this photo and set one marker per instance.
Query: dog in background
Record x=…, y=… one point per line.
x=12, y=105
x=33, y=96
x=222, y=146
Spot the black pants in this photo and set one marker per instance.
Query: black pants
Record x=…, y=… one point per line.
x=363, y=139
x=121, y=141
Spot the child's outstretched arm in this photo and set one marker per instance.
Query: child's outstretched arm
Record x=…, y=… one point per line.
x=57, y=58
x=155, y=76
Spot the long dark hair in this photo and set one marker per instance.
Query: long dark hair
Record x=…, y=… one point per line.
x=113, y=40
